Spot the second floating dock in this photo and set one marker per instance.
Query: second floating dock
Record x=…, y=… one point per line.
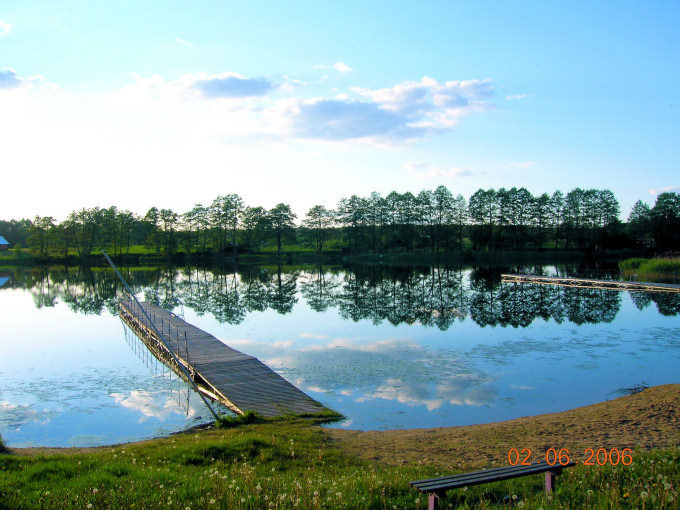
x=591, y=284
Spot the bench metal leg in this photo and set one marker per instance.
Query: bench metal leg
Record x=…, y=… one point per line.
x=433, y=499
x=550, y=481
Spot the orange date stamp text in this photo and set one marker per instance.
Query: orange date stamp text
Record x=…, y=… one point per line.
x=562, y=457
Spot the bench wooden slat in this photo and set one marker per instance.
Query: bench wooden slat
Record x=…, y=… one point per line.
x=437, y=487
x=485, y=476
x=484, y=471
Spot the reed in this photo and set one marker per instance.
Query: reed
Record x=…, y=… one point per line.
x=656, y=269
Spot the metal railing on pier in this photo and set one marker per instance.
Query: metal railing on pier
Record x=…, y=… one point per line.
x=142, y=318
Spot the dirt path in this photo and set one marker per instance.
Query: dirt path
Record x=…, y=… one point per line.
x=647, y=419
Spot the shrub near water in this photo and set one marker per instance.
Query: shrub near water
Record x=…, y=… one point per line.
x=293, y=464
x=651, y=269
x=631, y=264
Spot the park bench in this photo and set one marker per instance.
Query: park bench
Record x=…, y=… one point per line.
x=437, y=487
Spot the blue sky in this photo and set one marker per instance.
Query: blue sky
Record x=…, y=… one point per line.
x=169, y=103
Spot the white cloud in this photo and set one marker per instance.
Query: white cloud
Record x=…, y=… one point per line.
x=420, y=170
x=9, y=79
x=5, y=28
x=405, y=112
x=432, y=99
x=332, y=119
x=513, y=97
x=467, y=389
x=233, y=85
x=152, y=405
x=461, y=389
x=317, y=389
x=405, y=392
x=342, y=67
x=201, y=127
x=360, y=346
x=282, y=344
x=312, y=335
x=184, y=42
x=657, y=191
x=15, y=415
x=241, y=341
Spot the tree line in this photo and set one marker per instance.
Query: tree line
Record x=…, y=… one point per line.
x=432, y=220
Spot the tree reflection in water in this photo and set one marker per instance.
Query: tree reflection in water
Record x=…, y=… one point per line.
x=430, y=296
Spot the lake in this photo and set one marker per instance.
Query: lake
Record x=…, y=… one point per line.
x=386, y=347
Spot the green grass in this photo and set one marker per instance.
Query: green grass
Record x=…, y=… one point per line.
x=249, y=417
x=290, y=463
x=656, y=269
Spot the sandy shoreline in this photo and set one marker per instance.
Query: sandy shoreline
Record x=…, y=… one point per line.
x=649, y=419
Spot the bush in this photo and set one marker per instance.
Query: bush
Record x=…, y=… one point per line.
x=663, y=265
x=631, y=264
x=226, y=422
x=651, y=269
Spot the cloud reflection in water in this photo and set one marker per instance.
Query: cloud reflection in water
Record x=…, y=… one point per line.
x=157, y=405
x=15, y=415
x=396, y=370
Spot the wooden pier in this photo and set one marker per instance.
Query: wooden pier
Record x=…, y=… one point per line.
x=237, y=380
x=585, y=283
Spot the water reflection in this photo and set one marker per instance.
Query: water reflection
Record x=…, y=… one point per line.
x=391, y=370
x=68, y=379
x=15, y=415
x=387, y=347
x=432, y=296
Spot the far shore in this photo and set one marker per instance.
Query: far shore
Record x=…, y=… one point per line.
x=300, y=255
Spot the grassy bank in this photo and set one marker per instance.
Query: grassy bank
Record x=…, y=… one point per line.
x=651, y=270
x=293, y=463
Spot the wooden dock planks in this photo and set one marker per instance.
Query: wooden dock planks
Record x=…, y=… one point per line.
x=591, y=284
x=240, y=381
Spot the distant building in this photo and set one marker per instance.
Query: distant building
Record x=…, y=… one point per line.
x=3, y=243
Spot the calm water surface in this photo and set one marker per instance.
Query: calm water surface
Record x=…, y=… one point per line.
x=388, y=348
